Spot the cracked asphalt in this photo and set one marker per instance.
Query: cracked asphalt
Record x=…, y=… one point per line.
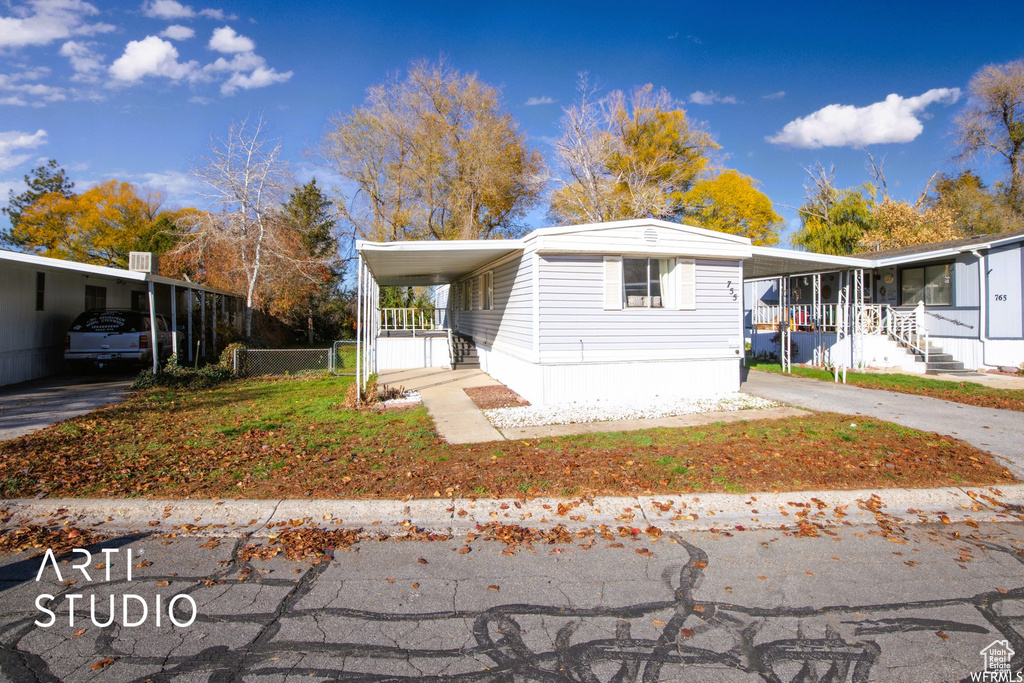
x=881, y=602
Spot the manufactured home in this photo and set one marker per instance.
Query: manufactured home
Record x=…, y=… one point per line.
x=942, y=307
x=40, y=297
x=647, y=309
x=612, y=311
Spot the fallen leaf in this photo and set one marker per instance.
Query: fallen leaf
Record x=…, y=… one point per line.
x=658, y=623
x=493, y=588
x=103, y=663
x=78, y=632
x=163, y=583
x=942, y=634
x=686, y=632
x=464, y=549
x=422, y=561
x=415, y=585
x=700, y=565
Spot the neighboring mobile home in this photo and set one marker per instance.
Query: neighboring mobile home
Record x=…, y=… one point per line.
x=40, y=297
x=940, y=307
x=617, y=311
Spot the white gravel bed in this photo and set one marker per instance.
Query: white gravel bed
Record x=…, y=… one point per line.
x=601, y=411
x=408, y=398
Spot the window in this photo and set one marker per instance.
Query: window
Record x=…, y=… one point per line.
x=40, y=291
x=487, y=290
x=669, y=283
x=641, y=280
x=931, y=284
x=95, y=298
x=467, y=295
x=140, y=301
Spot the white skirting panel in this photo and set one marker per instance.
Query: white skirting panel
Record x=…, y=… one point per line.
x=407, y=353
x=26, y=364
x=549, y=384
x=996, y=352
x=521, y=376
x=878, y=351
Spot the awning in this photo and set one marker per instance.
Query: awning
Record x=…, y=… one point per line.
x=431, y=263
x=769, y=262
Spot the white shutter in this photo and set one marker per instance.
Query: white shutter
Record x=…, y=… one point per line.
x=612, y=283
x=686, y=279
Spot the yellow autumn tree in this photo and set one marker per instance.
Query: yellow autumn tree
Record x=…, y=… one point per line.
x=632, y=156
x=901, y=224
x=731, y=202
x=100, y=226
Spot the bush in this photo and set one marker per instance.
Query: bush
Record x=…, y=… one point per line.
x=173, y=375
x=374, y=393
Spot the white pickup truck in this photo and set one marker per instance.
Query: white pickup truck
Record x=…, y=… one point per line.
x=108, y=337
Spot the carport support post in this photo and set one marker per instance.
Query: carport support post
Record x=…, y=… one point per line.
x=202, y=321
x=154, y=344
x=359, y=329
x=174, y=322
x=191, y=308
x=213, y=323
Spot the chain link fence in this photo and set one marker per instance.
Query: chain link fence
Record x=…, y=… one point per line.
x=340, y=359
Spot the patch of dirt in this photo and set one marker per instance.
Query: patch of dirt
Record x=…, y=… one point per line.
x=489, y=398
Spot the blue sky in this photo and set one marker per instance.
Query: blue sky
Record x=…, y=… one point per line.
x=134, y=90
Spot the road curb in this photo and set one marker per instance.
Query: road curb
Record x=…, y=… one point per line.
x=718, y=511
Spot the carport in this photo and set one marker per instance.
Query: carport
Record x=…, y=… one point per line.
x=41, y=296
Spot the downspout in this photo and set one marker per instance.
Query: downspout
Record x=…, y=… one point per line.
x=982, y=302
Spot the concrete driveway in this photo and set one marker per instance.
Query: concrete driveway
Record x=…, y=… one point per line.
x=29, y=406
x=1000, y=432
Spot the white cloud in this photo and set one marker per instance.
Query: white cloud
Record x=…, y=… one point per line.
x=712, y=97
x=226, y=40
x=167, y=9
x=150, y=56
x=259, y=78
x=774, y=96
x=172, y=9
x=40, y=22
x=895, y=119
x=13, y=140
x=177, y=32
x=247, y=61
x=534, y=101
x=84, y=60
x=24, y=92
x=176, y=186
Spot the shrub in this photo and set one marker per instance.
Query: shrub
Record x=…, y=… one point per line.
x=179, y=376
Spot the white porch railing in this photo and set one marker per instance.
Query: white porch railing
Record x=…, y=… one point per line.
x=801, y=316
x=908, y=329
x=413, y=319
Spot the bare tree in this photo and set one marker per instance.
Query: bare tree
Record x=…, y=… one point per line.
x=246, y=178
x=628, y=156
x=993, y=122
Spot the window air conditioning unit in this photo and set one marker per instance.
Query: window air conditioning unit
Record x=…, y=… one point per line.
x=142, y=262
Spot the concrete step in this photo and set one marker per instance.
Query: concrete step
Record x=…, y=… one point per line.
x=935, y=368
x=935, y=358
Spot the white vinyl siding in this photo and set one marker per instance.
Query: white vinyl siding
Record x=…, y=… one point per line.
x=574, y=317
x=510, y=318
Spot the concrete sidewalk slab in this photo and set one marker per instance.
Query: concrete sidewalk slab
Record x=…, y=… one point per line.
x=673, y=422
x=456, y=417
x=668, y=512
x=998, y=432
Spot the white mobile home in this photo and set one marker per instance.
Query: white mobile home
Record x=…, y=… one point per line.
x=612, y=311
x=941, y=307
x=40, y=297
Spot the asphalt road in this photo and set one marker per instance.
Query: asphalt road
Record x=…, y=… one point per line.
x=876, y=603
x=29, y=406
x=1000, y=432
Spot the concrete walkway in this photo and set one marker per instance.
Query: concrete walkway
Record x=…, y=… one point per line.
x=29, y=406
x=993, y=381
x=455, y=415
x=1000, y=432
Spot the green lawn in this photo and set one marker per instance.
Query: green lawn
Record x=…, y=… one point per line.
x=291, y=438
